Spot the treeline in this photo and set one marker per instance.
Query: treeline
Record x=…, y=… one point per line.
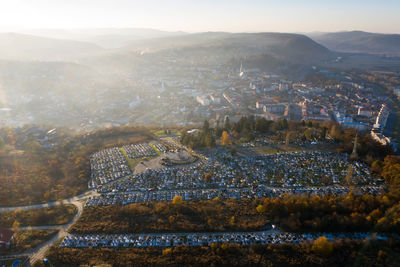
x=380, y=213
x=57, y=215
x=344, y=253
x=248, y=128
x=321, y=79
x=349, y=213
x=204, y=138
x=188, y=216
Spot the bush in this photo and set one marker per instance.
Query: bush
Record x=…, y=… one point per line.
x=177, y=200
x=322, y=246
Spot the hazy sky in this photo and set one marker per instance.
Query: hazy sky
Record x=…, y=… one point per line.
x=206, y=15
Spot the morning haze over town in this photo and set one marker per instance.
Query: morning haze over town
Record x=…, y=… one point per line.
x=199, y=133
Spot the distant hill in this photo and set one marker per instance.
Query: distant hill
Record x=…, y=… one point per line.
x=15, y=46
x=104, y=37
x=284, y=46
x=360, y=42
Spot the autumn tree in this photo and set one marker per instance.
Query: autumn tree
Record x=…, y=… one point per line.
x=225, y=139
x=322, y=246
x=207, y=178
x=261, y=209
x=349, y=175
x=287, y=141
x=16, y=226
x=177, y=200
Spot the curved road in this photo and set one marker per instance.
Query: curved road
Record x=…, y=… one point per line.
x=52, y=204
x=39, y=252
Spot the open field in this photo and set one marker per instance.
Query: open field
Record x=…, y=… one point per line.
x=132, y=163
x=162, y=133
x=155, y=149
x=56, y=215
x=190, y=216
x=281, y=148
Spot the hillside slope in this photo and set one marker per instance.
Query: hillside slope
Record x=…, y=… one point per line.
x=360, y=42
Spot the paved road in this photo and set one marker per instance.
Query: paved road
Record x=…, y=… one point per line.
x=41, y=250
x=52, y=204
x=44, y=227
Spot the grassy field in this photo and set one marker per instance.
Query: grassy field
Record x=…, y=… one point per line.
x=162, y=134
x=57, y=215
x=276, y=149
x=155, y=149
x=9, y=263
x=132, y=163
x=262, y=150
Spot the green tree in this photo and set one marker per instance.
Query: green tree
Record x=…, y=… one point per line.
x=349, y=175
x=206, y=126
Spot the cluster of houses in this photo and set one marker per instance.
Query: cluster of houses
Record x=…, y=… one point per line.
x=199, y=239
x=129, y=197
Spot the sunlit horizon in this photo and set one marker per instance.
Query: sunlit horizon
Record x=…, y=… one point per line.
x=192, y=16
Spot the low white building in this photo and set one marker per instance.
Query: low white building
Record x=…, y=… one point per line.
x=203, y=100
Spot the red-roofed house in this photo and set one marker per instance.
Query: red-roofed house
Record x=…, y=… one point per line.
x=6, y=235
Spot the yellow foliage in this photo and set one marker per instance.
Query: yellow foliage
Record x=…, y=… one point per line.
x=322, y=246
x=261, y=209
x=167, y=251
x=225, y=138
x=16, y=226
x=232, y=220
x=177, y=200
